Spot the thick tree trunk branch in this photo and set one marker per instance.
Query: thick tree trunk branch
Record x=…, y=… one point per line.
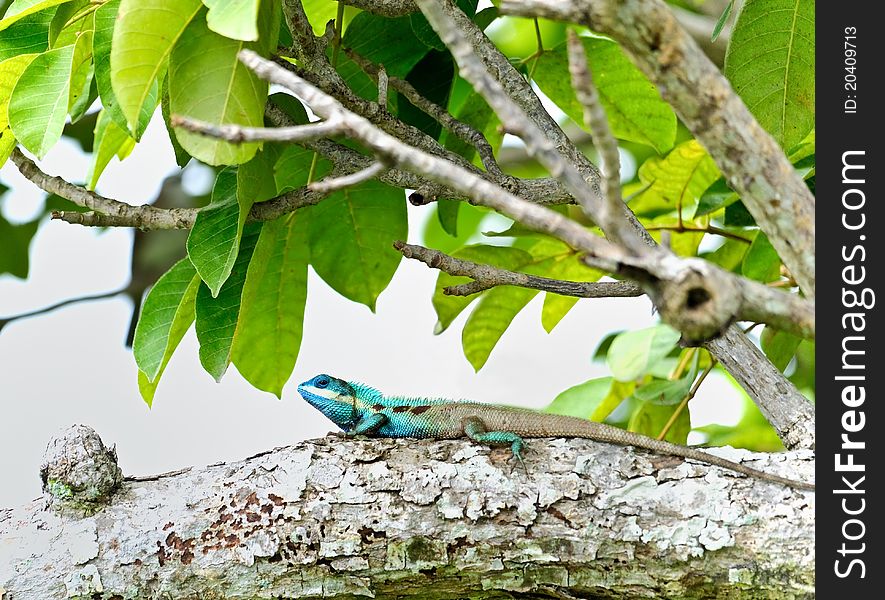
x=337, y=518
x=748, y=156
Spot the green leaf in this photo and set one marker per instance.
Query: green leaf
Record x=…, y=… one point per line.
x=677, y=180
x=235, y=19
x=216, y=318
x=7, y=145
x=10, y=71
x=23, y=8
x=39, y=101
x=208, y=82
x=255, y=179
x=214, y=241
x=632, y=104
x=182, y=158
x=110, y=141
x=16, y=241
x=319, y=12
x=666, y=392
x=581, y=400
x=449, y=307
x=730, y=255
x=761, y=261
x=632, y=353
x=105, y=19
x=30, y=35
x=166, y=315
x=268, y=334
x=737, y=215
x=145, y=33
x=490, y=319
x=779, y=346
x=351, y=239
x=424, y=32
x=649, y=419
x=723, y=19
x=293, y=167
x=682, y=243
x=370, y=36
x=619, y=391
x=447, y=214
x=717, y=196
x=566, y=266
x=770, y=63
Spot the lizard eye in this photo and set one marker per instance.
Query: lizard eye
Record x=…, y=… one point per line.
x=322, y=382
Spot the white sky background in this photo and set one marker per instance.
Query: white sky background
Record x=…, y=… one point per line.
x=71, y=366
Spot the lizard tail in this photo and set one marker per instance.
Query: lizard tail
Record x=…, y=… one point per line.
x=574, y=427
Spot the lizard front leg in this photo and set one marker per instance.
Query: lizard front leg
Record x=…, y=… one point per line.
x=476, y=430
x=368, y=426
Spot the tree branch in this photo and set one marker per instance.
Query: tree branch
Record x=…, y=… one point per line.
x=465, y=132
x=693, y=295
x=487, y=276
x=338, y=518
x=113, y=213
x=747, y=155
x=596, y=121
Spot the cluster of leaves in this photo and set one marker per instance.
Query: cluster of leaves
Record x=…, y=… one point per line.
x=244, y=284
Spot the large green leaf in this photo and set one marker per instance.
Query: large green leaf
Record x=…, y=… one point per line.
x=650, y=419
x=319, y=12
x=779, y=346
x=761, y=261
x=632, y=104
x=39, y=101
x=7, y=145
x=581, y=400
x=105, y=20
x=679, y=179
x=236, y=19
x=214, y=241
x=110, y=140
x=166, y=315
x=208, y=82
x=216, y=318
x=10, y=71
x=490, y=319
x=351, y=239
x=27, y=36
x=633, y=353
x=449, y=307
x=268, y=334
x=144, y=35
x=770, y=63
x=23, y=8
x=15, y=241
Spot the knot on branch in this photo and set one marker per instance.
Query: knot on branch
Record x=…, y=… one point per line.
x=78, y=471
x=699, y=302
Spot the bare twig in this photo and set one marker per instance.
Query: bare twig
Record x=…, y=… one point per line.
x=331, y=184
x=4, y=321
x=464, y=131
x=113, y=213
x=240, y=134
x=603, y=140
x=383, y=82
x=488, y=276
x=144, y=217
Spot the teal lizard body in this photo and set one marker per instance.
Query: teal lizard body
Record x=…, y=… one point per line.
x=361, y=410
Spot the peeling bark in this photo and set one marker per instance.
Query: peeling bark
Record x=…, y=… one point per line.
x=337, y=518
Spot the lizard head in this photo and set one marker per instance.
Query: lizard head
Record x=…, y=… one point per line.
x=333, y=397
